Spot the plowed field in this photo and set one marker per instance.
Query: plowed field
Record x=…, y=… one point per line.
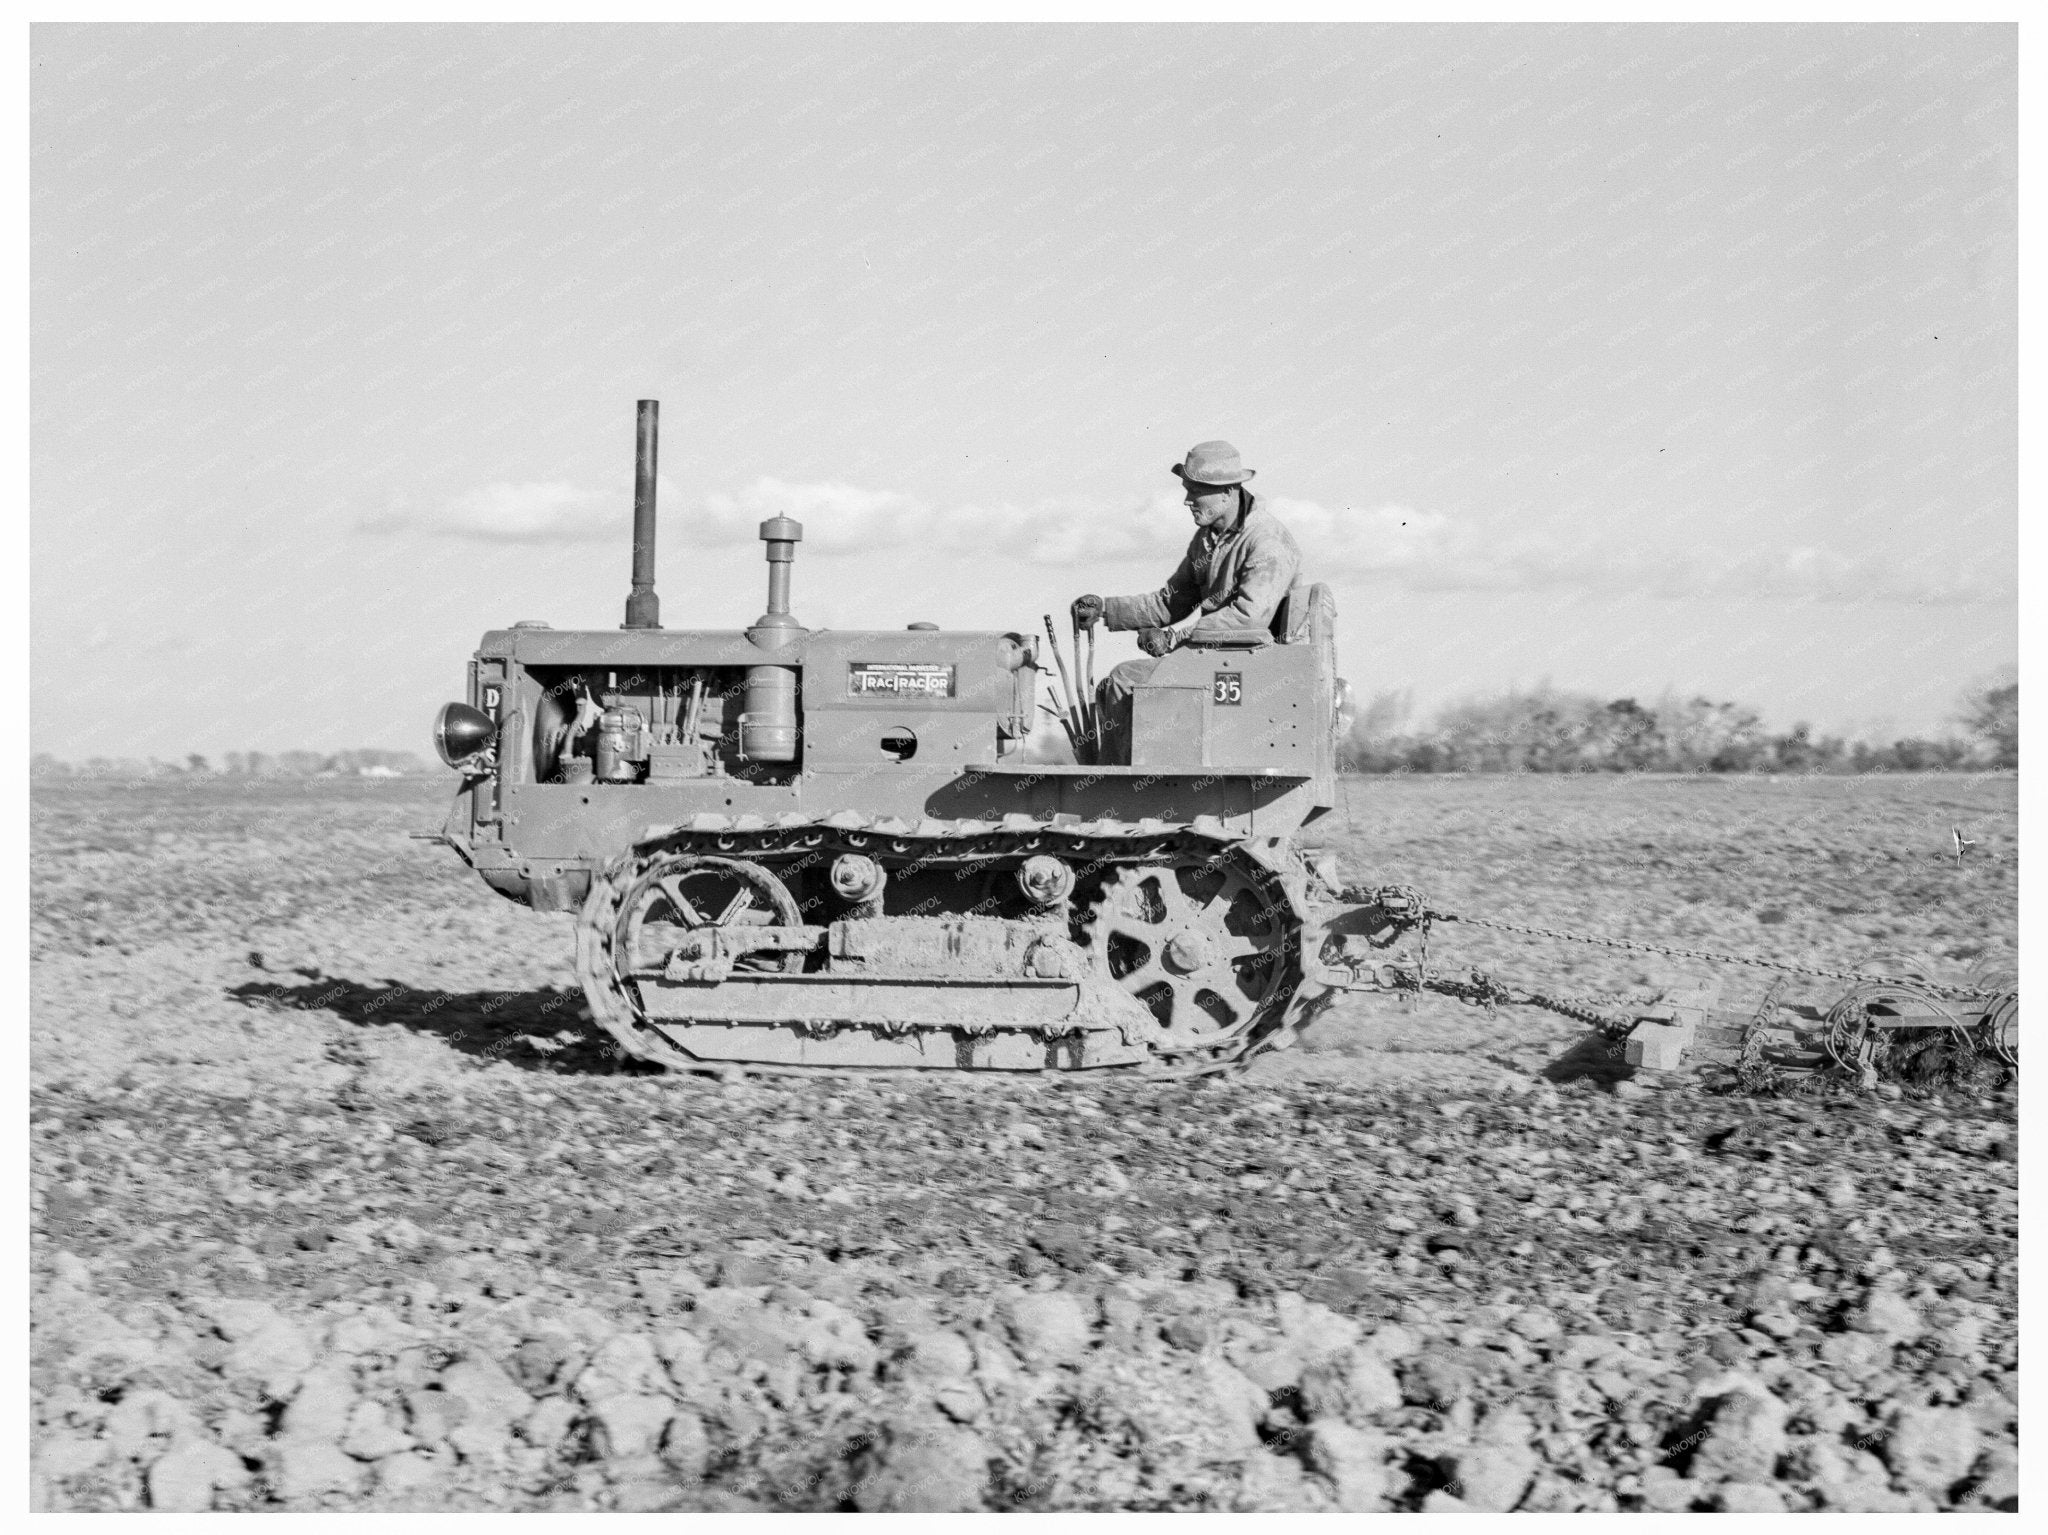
x=337, y=1201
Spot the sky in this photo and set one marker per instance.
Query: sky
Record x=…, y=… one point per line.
x=1620, y=358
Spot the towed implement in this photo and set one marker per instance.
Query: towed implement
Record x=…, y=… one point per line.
x=810, y=849
x=1905, y=1023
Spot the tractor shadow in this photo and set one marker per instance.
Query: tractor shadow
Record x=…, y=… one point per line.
x=548, y=1031
x=1368, y=1036
x=541, y=1031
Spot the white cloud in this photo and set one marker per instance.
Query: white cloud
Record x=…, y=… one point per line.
x=1380, y=545
x=546, y=512
x=836, y=517
x=1428, y=551
x=1390, y=540
x=1825, y=575
x=840, y=518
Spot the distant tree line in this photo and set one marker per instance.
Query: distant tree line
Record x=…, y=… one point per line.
x=363, y=762
x=1547, y=731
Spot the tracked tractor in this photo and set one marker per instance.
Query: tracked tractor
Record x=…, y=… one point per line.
x=801, y=848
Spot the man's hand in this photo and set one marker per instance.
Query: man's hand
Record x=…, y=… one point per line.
x=1157, y=642
x=1088, y=611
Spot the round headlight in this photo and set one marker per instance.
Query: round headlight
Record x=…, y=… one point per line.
x=460, y=732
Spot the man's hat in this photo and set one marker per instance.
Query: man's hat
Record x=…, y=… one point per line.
x=1213, y=463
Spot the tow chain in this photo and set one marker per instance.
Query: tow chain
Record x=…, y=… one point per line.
x=1581, y=1009
x=1484, y=991
x=1405, y=908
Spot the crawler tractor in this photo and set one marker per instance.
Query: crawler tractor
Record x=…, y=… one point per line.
x=809, y=848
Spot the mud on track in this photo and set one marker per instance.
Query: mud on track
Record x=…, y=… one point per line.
x=322, y=1144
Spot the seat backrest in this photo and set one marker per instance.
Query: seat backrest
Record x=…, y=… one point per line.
x=1292, y=619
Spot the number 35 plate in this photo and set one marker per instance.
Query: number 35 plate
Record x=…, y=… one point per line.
x=1229, y=688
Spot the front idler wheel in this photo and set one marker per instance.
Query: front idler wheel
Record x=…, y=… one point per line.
x=645, y=908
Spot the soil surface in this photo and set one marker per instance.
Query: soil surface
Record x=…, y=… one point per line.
x=338, y=1201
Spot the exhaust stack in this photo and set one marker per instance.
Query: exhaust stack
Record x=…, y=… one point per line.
x=643, y=608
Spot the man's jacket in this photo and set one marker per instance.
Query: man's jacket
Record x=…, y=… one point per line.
x=1237, y=579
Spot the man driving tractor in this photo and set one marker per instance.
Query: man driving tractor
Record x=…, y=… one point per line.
x=1238, y=569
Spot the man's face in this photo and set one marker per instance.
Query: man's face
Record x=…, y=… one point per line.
x=1211, y=505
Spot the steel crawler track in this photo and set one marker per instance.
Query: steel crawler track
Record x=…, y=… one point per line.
x=688, y=1030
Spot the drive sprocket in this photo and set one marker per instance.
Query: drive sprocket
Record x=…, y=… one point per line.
x=1203, y=947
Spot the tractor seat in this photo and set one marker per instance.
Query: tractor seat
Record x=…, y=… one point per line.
x=1294, y=622
x=1293, y=619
